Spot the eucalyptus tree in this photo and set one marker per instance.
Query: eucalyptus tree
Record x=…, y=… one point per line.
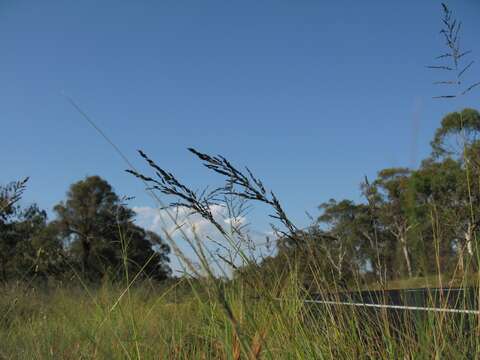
x=458, y=132
x=339, y=246
x=391, y=190
x=351, y=243
x=458, y=138
x=437, y=187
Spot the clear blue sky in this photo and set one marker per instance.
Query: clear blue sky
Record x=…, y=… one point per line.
x=312, y=95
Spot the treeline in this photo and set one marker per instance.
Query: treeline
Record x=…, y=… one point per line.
x=92, y=237
x=411, y=222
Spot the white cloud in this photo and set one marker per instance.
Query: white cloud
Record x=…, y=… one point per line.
x=235, y=222
x=169, y=221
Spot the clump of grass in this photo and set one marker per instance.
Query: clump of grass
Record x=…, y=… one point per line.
x=65, y=324
x=284, y=325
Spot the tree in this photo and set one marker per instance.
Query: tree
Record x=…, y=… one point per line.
x=437, y=187
x=10, y=194
x=458, y=132
x=391, y=189
x=100, y=232
x=29, y=246
x=47, y=251
x=345, y=246
x=458, y=137
x=138, y=254
x=82, y=217
x=38, y=250
x=443, y=186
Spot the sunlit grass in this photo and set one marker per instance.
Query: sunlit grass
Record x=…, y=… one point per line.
x=172, y=322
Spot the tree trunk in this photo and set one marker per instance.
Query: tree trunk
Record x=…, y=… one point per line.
x=375, y=257
x=340, y=274
x=406, y=255
x=468, y=240
x=86, y=246
x=4, y=272
x=461, y=259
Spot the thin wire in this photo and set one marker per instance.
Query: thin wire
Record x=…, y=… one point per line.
x=399, y=307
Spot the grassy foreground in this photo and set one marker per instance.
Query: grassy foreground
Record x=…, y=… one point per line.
x=183, y=321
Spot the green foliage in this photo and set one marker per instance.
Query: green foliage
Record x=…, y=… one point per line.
x=88, y=215
x=457, y=131
x=29, y=247
x=102, y=237
x=94, y=233
x=413, y=222
x=10, y=194
x=347, y=238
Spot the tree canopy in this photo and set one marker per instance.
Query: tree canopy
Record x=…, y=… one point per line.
x=412, y=222
x=94, y=235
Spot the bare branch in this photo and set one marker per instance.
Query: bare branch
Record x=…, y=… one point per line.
x=440, y=67
x=445, y=97
x=465, y=68
x=447, y=82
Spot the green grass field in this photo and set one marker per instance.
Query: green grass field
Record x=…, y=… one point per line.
x=187, y=321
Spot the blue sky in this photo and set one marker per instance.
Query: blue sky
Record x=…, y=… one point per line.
x=311, y=95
